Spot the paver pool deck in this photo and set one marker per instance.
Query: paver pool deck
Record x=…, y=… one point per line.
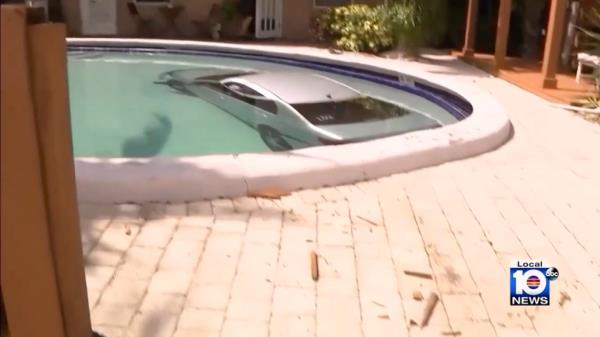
x=241, y=267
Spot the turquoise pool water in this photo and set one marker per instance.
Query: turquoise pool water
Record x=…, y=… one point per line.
x=117, y=110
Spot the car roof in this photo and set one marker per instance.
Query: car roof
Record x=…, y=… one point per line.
x=207, y=73
x=299, y=88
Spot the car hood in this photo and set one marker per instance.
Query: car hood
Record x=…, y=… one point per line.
x=380, y=128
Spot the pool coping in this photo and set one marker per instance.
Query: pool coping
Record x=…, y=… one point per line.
x=180, y=179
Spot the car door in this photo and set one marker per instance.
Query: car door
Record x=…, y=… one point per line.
x=296, y=130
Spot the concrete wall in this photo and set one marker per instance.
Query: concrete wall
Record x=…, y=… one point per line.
x=297, y=16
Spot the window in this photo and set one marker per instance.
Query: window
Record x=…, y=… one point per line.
x=357, y=110
x=242, y=89
x=239, y=91
x=331, y=3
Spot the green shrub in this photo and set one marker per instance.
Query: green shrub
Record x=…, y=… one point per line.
x=410, y=23
x=405, y=24
x=356, y=28
x=418, y=23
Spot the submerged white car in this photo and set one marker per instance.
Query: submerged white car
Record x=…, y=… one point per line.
x=297, y=109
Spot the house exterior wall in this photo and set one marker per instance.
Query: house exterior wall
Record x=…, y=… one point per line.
x=297, y=16
x=126, y=25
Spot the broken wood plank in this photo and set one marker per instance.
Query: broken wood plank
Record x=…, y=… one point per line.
x=417, y=295
x=367, y=220
x=429, y=307
x=269, y=193
x=314, y=266
x=418, y=274
x=564, y=297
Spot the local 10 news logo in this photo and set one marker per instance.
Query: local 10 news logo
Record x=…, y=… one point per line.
x=530, y=282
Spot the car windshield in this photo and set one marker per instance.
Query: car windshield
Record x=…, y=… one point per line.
x=356, y=110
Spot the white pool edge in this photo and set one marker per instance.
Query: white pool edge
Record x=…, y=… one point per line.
x=108, y=180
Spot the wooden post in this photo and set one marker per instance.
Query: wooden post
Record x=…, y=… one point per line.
x=48, y=65
x=556, y=24
x=471, y=29
x=29, y=281
x=43, y=281
x=502, y=33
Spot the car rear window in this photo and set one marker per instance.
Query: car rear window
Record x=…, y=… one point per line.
x=351, y=111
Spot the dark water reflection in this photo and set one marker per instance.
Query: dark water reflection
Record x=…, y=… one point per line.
x=151, y=141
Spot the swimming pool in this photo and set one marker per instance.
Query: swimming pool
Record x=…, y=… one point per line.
x=141, y=102
x=161, y=120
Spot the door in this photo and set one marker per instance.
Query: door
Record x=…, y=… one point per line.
x=268, y=18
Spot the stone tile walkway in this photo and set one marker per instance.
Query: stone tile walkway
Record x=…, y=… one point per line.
x=241, y=267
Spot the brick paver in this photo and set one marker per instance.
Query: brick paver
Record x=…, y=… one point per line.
x=240, y=267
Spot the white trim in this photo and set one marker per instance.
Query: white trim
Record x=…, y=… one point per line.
x=193, y=178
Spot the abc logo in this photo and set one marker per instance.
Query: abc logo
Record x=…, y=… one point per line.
x=552, y=274
x=531, y=282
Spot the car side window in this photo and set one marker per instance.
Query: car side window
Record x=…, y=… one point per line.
x=239, y=91
x=242, y=89
x=267, y=105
